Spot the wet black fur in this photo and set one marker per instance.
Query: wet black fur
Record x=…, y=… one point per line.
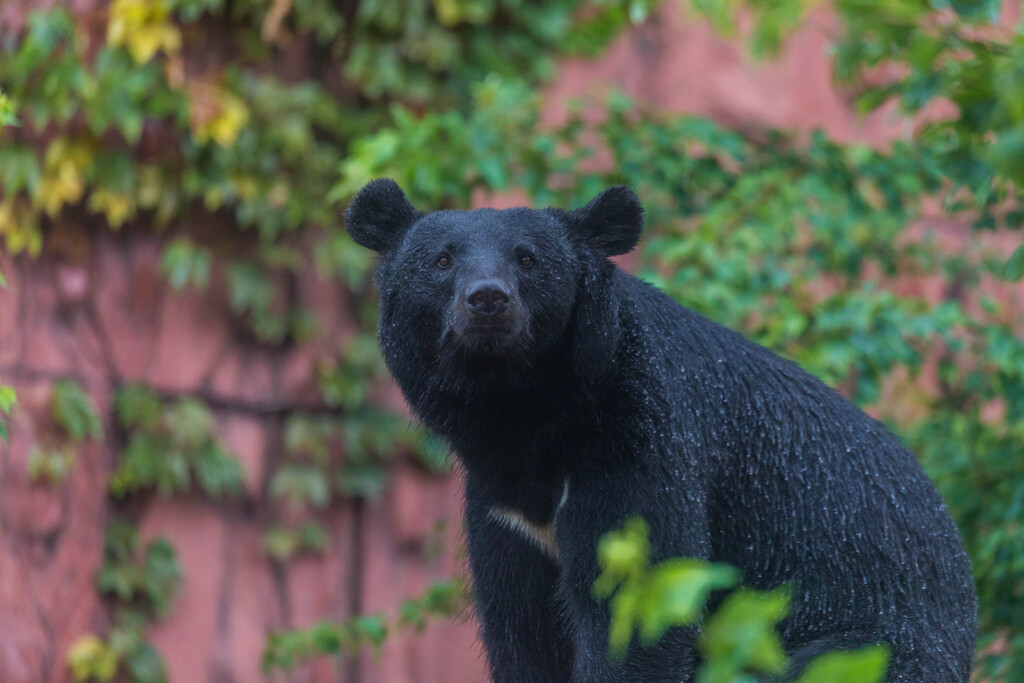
x=728, y=451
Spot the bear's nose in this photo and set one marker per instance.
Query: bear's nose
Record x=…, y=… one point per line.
x=487, y=297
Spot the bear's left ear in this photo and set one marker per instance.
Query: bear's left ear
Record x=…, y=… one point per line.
x=612, y=221
x=379, y=215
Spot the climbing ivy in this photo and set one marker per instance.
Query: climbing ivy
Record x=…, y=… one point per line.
x=952, y=52
x=286, y=649
x=141, y=581
x=171, y=447
x=74, y=413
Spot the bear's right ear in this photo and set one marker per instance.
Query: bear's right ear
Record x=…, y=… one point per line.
x=379, y=215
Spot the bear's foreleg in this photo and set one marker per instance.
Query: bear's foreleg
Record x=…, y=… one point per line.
x=514, y=583
x=600, y=503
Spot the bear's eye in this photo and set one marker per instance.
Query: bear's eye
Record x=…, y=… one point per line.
x=444, y=261
x=526, y=261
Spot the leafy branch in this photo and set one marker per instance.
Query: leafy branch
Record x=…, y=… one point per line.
x=286, y=649
x=738, y=640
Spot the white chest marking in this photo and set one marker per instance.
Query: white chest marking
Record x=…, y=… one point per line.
x=543, y=536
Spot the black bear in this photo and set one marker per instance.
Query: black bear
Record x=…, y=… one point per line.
x=576, y=395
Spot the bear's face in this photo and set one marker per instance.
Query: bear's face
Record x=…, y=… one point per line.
x=482, y=283
x=473, y=290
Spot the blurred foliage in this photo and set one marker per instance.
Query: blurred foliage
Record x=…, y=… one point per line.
x=74, y=411
x=924, y=55
x=50, y=464
x=805, y=244
x=145, y=579
x=140, y=582
x=738, y=640
x=76, y=419
x=281, y=543
x=185, y=263
x=286, y=649
x=170, y=447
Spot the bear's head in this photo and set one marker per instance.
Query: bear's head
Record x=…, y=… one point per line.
x=490, y=292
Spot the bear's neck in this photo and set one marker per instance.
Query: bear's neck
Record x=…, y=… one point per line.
x=498, y=413
x=519, y=441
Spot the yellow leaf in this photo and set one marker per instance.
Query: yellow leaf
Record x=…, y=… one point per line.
x=63, y=180
x=245, y=185
x=90, y=659
x=116, y=208
x=448, y=12
x=20, y=227
x=217, y=114
x=143, y=27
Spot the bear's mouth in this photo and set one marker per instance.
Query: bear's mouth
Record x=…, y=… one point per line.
x=487, y=330
x=487, y=338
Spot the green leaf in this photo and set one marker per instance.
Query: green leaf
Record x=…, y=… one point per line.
x=740, y=636
x=145, y=665
x=137, y=406
x=312, y=536
x=189, y=422
x=1014, y=268
x=372, y=628
x=622, y=554
x=676, y=591
x=431, y=451
x=7, y=117
x=366, y=480
x=50, y=465
x=218, y=473
x=280, y=543
x=7, y=399
x=301, y=485
x=328, y=638
x=74, y=411
x=169, y=446
x=184, y=263
x=250, y=287
x=147, y=580
x=861, y=666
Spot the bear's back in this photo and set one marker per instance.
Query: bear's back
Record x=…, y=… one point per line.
x=803, y=487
